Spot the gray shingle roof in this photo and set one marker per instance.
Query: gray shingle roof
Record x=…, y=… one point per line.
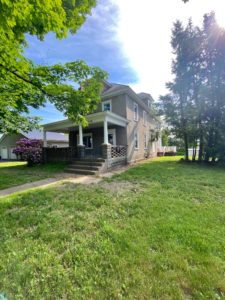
x=145, y=95
x=114, y=88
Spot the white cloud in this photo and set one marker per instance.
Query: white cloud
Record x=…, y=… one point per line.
x=144, y=31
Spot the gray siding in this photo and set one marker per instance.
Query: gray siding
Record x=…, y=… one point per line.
x=137, y=154
x=118, y=105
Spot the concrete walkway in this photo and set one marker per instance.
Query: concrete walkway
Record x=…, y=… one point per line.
x=76, y=179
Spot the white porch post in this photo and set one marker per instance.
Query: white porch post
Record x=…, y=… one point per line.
x=44, y=139
x=80, y=135
x=106, y=139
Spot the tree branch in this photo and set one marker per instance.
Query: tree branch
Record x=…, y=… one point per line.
x=25, y=80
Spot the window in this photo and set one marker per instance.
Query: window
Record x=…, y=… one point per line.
x=136, y=140
x=145, y=141
x=107, y=105
x=135, y=112
x=149, y=103
x=87, y=140
x=144, y=118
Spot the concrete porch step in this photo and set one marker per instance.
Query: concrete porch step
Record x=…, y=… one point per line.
x=80, y=171
x=85, y=166
x=88, y=160
x=91, y=164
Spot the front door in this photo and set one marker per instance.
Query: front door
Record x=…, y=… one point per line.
x=112, y=136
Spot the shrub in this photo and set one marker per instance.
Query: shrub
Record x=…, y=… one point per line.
x=29, y=150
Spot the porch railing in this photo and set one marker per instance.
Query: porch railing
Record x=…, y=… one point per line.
x=59, y=154
x=118, y=151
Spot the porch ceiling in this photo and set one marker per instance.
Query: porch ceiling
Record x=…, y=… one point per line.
x=94, y=120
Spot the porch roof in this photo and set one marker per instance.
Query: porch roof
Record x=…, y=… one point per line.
x=94, y=120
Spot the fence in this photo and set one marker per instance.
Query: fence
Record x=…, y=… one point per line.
x=59, y=154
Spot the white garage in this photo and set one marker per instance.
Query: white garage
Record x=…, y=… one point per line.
x=12, y=155
x=4, y=153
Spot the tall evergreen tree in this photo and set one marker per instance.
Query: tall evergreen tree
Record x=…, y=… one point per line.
x=195, y=105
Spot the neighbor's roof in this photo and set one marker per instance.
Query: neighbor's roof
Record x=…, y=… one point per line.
x=50, y=136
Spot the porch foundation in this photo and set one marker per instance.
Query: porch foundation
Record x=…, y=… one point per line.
x=106, y=151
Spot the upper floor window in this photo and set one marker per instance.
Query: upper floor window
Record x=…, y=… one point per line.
x=107, y=105
x=135, y=112
x=136, y=140
x=144, y=118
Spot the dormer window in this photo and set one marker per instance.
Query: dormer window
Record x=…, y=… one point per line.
x=135, y=112
x=107, y=105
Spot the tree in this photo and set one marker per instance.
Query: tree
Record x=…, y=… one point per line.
x=23, y=84
x=178, y=105
x=195, y=104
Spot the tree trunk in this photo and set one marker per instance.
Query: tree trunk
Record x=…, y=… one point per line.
x=186, y=157
x=200, y=153
x=194, y=151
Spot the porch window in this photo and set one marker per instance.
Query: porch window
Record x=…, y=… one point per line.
x=144, y=118
x=107, y=105
x=87, y=140
x=136, y=140
x=135, y=112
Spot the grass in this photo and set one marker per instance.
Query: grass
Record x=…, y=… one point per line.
x=16, y=173
x=154, y=232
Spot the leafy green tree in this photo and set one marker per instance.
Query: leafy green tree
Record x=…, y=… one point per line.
x=165, y=136
x=23, y=84
x=195, y=104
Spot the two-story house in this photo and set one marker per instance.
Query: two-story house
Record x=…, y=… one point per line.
x=121, y=130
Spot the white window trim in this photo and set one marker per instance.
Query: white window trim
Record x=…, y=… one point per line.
x=86, y=134
x=144, y=118
x=135, y=118
x=145, y=141
x=106, y=102
x=136, y=133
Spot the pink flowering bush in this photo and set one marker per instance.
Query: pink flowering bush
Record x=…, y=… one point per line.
x=29, y=150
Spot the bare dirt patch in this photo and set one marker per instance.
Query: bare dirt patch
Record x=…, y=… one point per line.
x=120, y=187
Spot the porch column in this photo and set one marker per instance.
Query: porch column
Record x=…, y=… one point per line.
x=44, y=139
x=106, y=147
x=80, y=135
x=81, y=147
x=106, y=139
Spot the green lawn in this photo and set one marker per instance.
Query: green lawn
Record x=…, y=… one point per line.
x=156, y=231
x=16, y=173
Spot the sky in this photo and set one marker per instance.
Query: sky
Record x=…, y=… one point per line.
x=129, y=39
